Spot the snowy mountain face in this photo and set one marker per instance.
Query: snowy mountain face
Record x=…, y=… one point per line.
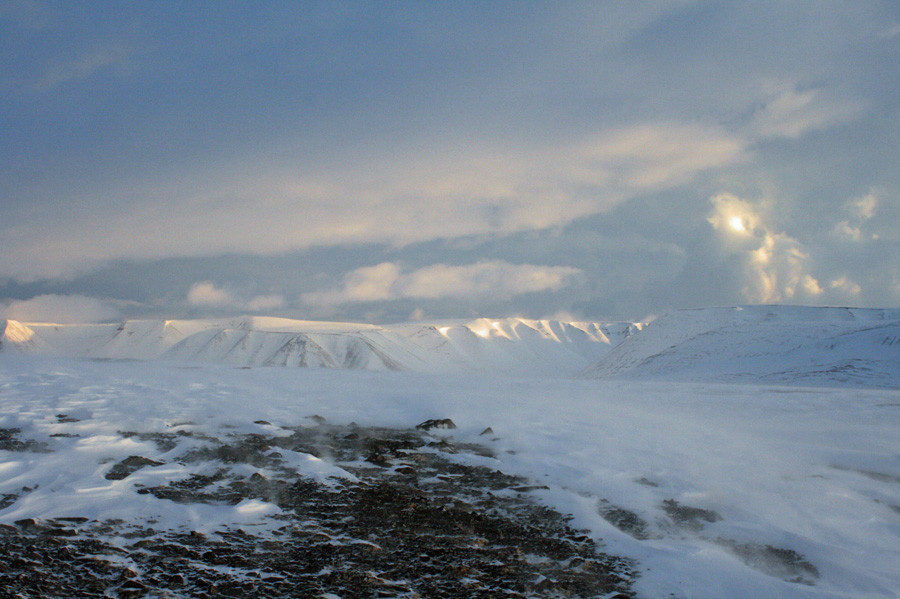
x=763, y=344
x=750, y=344
x=510, y=346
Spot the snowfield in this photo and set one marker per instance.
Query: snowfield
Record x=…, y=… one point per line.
x=714, y=489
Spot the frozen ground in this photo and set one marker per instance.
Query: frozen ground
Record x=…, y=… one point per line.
x=714, y=490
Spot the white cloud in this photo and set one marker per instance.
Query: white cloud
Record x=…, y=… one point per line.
x=654, y=156
x=489, y=278
x=775, y=265
x=205, y=293
x=395, y=197
x=864, y=207
x=860, y=210
x=791, y=112
x=63, y=309
x=734, y=216
x=264, y=303
x=85, y=65
x=846, y=285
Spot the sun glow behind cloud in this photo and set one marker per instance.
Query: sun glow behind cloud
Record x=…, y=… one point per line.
x=776, y=265
x=737, y=224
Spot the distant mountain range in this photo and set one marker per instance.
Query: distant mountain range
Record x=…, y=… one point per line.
x=508, y=346
x=751, y=344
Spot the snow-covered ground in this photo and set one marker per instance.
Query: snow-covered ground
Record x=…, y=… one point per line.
x=711, y=473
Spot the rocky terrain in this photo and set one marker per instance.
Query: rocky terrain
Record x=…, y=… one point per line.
x=410, y=520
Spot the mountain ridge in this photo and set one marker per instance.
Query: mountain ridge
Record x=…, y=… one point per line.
x=510, y=345
x=772, y=344
x=763, y=344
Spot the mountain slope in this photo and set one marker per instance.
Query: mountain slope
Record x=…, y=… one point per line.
x=510, y=346
x=768, y=344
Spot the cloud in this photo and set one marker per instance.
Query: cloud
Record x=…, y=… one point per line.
x=264, y=303
x=846, y=285
x=395, y=197
x=860, y=210
x=87, y=64
x=775, y=265
x=737, y=217
x=891, y=32
x=791, y=112
x=205, y=293
x=496, y=279
x=63, y=309
x=655, y=156
x=864, y=207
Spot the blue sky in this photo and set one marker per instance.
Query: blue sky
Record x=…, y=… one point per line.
x=388, y=161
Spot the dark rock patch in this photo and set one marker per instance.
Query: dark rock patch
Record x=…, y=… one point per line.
x=10, y=441
x=685, y=516
x=129, y=466
x=421, y=523
x=786, y=564
x=442, y=423
x=625, y=520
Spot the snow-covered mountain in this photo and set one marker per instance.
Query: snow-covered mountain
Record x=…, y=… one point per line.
x=510, y=346
x=746, y=344
x=763, y=344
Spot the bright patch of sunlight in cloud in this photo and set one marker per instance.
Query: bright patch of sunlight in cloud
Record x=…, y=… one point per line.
x=775, y=265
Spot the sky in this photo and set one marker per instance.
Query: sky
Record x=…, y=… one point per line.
x=395, y=161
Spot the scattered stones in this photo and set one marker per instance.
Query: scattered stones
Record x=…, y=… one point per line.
x=443, y=423
x=129, y=466
x=9, y=441
x=421, y=523
x=689, y=517
x=786, y=564
x=164, y=441
x=625, y=520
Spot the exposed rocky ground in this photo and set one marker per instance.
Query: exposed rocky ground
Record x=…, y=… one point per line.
x=411, y=521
